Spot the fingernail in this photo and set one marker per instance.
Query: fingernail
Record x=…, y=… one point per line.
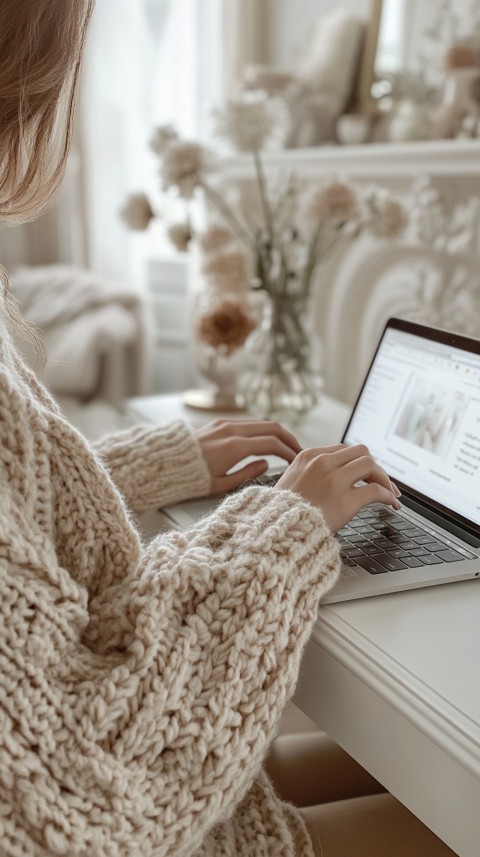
x=397, y=505
x=396, y=489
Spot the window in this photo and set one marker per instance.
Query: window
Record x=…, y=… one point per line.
x=148, y=62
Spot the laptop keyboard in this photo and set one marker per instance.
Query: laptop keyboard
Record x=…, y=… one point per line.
x=380, y=540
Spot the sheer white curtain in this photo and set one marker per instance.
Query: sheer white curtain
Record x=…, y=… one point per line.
x=57, y=236
x=148, y=62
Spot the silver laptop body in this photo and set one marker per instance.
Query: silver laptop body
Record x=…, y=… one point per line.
x=419, y=413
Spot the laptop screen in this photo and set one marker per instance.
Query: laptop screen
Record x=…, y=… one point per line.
x=419, y=414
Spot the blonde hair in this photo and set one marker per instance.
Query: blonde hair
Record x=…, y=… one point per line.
x=41, y=45
x=41, y=48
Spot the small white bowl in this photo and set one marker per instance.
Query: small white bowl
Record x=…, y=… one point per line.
x=353, y=129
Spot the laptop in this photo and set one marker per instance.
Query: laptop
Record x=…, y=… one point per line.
x=418, y=411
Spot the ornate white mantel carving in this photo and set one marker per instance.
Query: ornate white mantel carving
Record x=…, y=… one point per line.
x=433, y=275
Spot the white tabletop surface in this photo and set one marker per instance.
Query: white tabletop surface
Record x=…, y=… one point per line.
x=433, y=633
x=324, y=425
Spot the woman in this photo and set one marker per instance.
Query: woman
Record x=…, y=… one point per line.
x=141, y=687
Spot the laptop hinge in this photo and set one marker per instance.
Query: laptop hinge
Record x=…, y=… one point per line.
x=459, y=530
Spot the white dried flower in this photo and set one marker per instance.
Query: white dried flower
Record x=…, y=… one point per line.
x=334, y=202
x=137, y=212
x=385, y=216
x=427, y=213
x=180, y=235
x=162, y=137
x=227, y=270
x=183, y=166
x=252, y=122
x=216, y=237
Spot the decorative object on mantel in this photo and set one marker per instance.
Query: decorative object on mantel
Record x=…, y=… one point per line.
x=264, y=259
x=410, y=121
x=452, y=40
x=353, y=129
x=449, y=67
x=424, y=71
x=460, y=109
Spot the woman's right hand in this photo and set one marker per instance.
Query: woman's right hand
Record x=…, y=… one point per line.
x=328, y=478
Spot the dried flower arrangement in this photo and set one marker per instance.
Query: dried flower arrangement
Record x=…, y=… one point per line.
x=275, y=250
x=451, y=41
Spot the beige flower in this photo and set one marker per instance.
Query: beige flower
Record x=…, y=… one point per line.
x=226, y=326
x=137, y=212
x=162, y=137
x=251, y=122
x=183, y=166
x=180, y=235
x=335, y=202
x=461, y=56
x=227, y=270
x=216, y=237
x=386, y=217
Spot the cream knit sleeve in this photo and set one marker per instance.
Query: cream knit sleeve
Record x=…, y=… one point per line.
x=155, y=465
x=153, y=703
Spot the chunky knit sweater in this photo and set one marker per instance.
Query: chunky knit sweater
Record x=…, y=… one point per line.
x=140, y=686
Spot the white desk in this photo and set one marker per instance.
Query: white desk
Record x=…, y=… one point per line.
x=394, y=679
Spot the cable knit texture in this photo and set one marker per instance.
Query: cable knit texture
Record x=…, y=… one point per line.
x=155, y=466
x=140, y=686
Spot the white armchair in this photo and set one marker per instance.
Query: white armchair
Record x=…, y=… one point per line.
x=96, y=332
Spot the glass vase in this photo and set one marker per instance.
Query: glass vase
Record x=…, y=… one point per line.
x=282, y=378
x=220, y=325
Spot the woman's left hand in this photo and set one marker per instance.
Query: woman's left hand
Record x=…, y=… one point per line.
x=225, y=443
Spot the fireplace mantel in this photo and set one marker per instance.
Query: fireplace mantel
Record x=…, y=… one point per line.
x=437, y=158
